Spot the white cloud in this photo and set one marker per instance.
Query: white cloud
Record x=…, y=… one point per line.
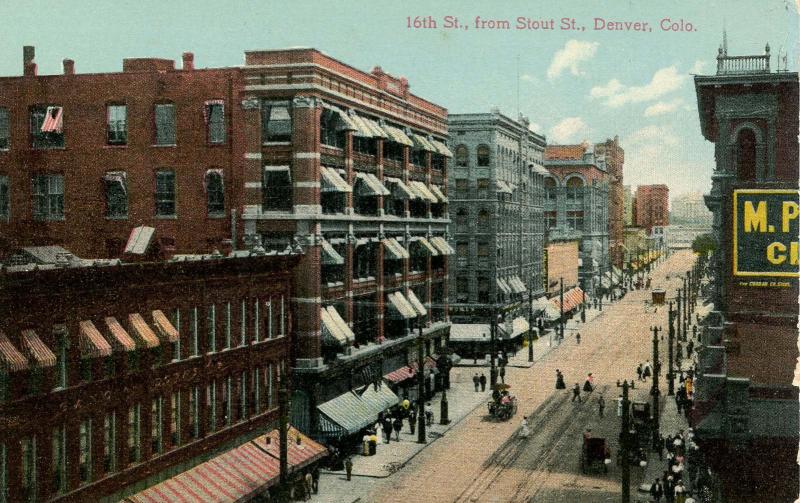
x=527, y=78
x=697, y=68
x=663, y=107
x=616, y=94
x=568, y=130
x=536, y=128
x=650, y=135
x=568, y=58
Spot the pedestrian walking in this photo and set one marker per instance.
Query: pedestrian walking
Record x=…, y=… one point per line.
x=578, y=338
x=483, y=382
x=379, y=432
x=524, y=430
x=315, y=480
x=397, y=425
x=387, y=428
x=428, y=414
x=647, y=371
x=412, y=420
x=639, y=372
x=658, y=445
x=619, y=406
x=503, y=374
x=576, y=393
x=560, y=384
x=348, y=466
x=308, y=484
x=601, y=405
x=656, y=491
x=680, y=492
x=476, y=381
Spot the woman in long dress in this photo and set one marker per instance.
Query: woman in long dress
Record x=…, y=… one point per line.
x=524, y=430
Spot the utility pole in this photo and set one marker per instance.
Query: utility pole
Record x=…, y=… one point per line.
x=678, y=315
x=583, y=308
x=493, y=330
x=671, y=342
x=530, y=321
x=685, y=308
x=561, y=305
x=421, y=435
x=601, y=287
x=624, y=441
x=656, y=371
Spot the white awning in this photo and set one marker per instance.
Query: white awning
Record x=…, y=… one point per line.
x=377, y=130
x=438, y=193
x=343, y=327
x=414, y=301
x=394, y=249
x=139, y=240
x=503, y=286
x=400, y=190
x=362, y=129
x=330, y=329
x=401, y=305
x=332, y=181
x=423, y=191
x=371, y=186
x=345, y=122
x=541, y=170
x=330, y=256
x=442, y=245
x=441, y=147
x=426, y=245
x=119, y=177
x=503, y=187
x=421, y=143
x=540, y=304
x=276, y=168
x=397, y=135
x=519, y=286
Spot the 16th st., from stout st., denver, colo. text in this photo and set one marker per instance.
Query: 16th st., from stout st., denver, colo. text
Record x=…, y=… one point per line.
x=524, y=23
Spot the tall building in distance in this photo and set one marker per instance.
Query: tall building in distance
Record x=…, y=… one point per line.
x=651, y=206
x=352, y=167
x=690, y=209
x=497, y=196
x=746, y=410
x=614, y=157
x=627, y=195
x=577, y=207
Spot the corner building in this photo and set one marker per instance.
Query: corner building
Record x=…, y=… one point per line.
x=351, y=167
x=496, y=202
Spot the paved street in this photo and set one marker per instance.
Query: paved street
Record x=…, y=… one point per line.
x=482, y=460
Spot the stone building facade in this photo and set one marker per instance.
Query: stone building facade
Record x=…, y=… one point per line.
x=497, y=196
x=690, y=209
x=746, y=405
x=577, y=206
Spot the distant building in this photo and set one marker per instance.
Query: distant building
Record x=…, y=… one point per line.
x=628, y=210
x=690, y=209
x=614, y=157
x=652, y=206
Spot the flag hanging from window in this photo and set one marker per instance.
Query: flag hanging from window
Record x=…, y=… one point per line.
x=53, y=120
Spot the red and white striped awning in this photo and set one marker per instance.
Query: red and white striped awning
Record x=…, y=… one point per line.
x=119, y=337
x=37, y=350
x=53, y=120
x=237, y=475
x=92, y=343
x=572, y=299
x=10, y=358
x=400, y=374
x=166, y=331
x=143, y=334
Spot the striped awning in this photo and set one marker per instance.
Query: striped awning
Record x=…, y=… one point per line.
x=503, y=187
x=120, y=340
x=329, y=255
x=36, y=350
x=371, y=186
x=426, y=245
x=92, y=343
x=240, y=474
x=501, y=283
x=334, y=327
x=441, y=148
x=142, y=333
x=332, y=181
x=377, y=130
x=421, y=143
x=362, y=129
x=442, y=245
x=400, y=190
x=572, y=299
x=397, y=135
x=415, y=303
x=519, y=326
x=400, y=374
x=422, y=191
x=438, y=193
x=11, y=360
x=401, y=306
x=349, y=413
x=394, y=250
x=166, y=331
x=344, y=122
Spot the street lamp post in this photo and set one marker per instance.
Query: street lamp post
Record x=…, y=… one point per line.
x=654, y=390
x=671, y=341
x=493, y=330
x=530, y=321
x=421, y=435
x=679, y=308
x=685, y=308
x=624, y=441
x=561, y=305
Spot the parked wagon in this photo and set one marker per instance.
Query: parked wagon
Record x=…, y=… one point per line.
x=503, y=405
x=595, y=455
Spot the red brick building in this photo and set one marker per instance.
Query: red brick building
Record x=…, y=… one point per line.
x=352, y=167
x=134, y=372
x=746, y=406
x=614, y=157
x=151, y=145
x=651, y=206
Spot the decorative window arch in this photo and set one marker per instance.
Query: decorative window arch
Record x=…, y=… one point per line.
x=575, y=184
x=462, y=156
x=747, y=149
x=550, y=185
x=483, y=216
x=484, y=155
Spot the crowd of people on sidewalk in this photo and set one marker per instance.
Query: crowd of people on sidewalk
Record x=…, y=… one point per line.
x=682, y=482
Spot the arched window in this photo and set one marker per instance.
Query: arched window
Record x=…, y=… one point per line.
x=484, y=155
x=483, y=216
x=215, y=192
x=550, y=188
x=462, y=215
x=746, y=155
x=462, y=156
x=574, y=188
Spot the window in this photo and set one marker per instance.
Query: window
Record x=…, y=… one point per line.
x=48, y=197
x=215, y=192
x=574, y=189
x=393, y=151
x=462, y=253
x=117, y=124
x=277, y=189
x=484, y=155
x=462, y=289
x=85, y=451
x=462, y=186
x=483, y=254
x=364, y=145
x=462, y=156
x=484, y=288
x=746, y=155
x=551, y=219
x=4, y=131
x=575, y=220
x=211, y=327
x=110, y=442
x=214, y=114
x=28, y=448
x=156, y=417
x=194, y=332
x=165, y=124
x=59, y=460
x=175, y=418
x=483, y=188
x=418, y=157
x=5, y=197
x=194, y=417
x=134, y=438
x=47, y=127
x=165, y=193
x=116, y=194
x=550, y=188
x=61, y=361
x=211, y=404
x=329, y=132
x=483, y=217
x=462, y=216
x=276, y=121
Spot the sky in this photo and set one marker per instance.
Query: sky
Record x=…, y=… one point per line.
x=582, y=83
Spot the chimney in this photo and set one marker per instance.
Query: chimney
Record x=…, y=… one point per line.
x=188, y=61
x=28, y=66
x=69, y=67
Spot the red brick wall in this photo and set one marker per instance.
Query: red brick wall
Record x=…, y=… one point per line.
x=562, y=261
x=652, y=206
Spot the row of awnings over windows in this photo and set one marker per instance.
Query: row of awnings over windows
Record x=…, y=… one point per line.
x=368, y=128
x=511, y=285
x=92, y=343
x=572, y=299
x=505, y=187
x=370, y=185
x=392, y=248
